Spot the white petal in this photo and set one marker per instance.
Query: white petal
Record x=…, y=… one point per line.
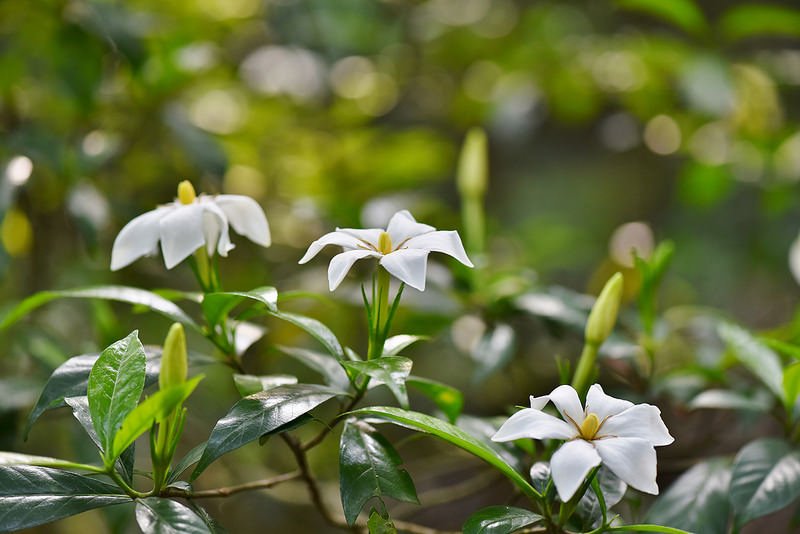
x=537, y=403
x=566, y=400
x=341, y=263
x=333, y=238
x=534, y=424
x=215, y=230
x=366, y=237
x=402, y=226
x=181, y=233
x=447, y=242
x=407, y=265
x=246, y=217
x=794, y=259
x=569, y=466
x=639, y=421
x=597, y=402
x=137, y=238
x=631, y=459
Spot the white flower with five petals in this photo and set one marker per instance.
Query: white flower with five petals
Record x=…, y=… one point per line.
x=402, y=249
x=615, y=432
x=188, y=223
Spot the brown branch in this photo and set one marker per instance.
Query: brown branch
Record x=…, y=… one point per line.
x=232, y=490
x=316, y=440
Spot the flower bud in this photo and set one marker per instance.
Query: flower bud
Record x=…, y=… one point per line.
x=604, y=312
x=174, y=360
x=186, y=193
x=473, y=165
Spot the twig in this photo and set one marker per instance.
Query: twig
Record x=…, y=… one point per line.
x=232, y=490
x=316, y=440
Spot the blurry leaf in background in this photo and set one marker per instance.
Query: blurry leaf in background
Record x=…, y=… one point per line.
x=16, y=233
x=759, y=20
x=681, y=13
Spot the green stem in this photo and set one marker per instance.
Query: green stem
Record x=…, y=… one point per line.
x=585, y=369
x=380, y=312
x=124, y=485
x=473, y=220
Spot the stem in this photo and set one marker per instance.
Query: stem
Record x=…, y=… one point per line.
x=316, y=440
x=124, y=485
x=568, y=508
x=380, y=312
x=585, y=369
x=308, y=477
x=232, y=490
x=473, y=219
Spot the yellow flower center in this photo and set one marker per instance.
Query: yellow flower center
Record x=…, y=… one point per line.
x=590, y=426
x=186, y=194
x=384, y=243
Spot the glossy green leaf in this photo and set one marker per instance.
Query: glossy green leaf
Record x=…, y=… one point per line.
x=759, y=20
x=499, y=520
x=216, y=306
x=681, y=13
x=115, y=384
x=327, y=366
x=249, y=384
x=757, y=357
x=370, y=467
x=447, y=398
x=698, y=500
x=130, y=295
x=191, y=458
x=253, y=416
x=15, y=458
x=380, y=525
x=165, y=516
x=394, y=345
x=451, y=434
x=765, y=478
x=31, y=496
x=390, y=371
x=318, y=331
x=152, y=410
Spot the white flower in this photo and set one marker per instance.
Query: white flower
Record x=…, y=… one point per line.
x=402, y=249
x=794, y=259
x=187, y=224
x=611, y=431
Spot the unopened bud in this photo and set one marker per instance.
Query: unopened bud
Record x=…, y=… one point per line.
x=186, y=193
x=604, y=312
x=174, y=360
x=473, y=166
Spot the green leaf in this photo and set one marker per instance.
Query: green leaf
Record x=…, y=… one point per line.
x=130, y=295
x=647, y=528
x=681, y=13
x=390, y=371
x=380, y=525
x=249, y=384
x=732, y=400
x=447, y=398
x=698, y=500
x=154, y=409
x=15, y=458
x=396, y=344
x=319, y=331
x=71, y=378
x=370, y=467
x=451, y=434
x=165, y=516
x=754, y=20
x=766, y=477
x=115, y=384
x=652, y=271
x=757, y=357
x=253, y=416
x=330, y=368
x=493, y=351
x=216, y=306
x=31, y=496
x=590, y=509
x=791, y=386
x=499, y=520
x=191, y=458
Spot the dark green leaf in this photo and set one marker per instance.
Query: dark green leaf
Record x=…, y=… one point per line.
x=390, y=371
x=330, y=368
x=318, y=330
x=757, y=357
x=698, y=500
x=165, y=516
x=130, y=295
x=765, y=478
x=380, y=525
x=258, y=414
x=31, y=496
x=590, y=508
x=499, y=520
x=753, y=20
x=451, y=434
x=681, y=13
x=191, y=458
x=249, y=384
x=217, y=306
x=447, y=398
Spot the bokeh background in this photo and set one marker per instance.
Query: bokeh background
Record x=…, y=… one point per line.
x=680, y=116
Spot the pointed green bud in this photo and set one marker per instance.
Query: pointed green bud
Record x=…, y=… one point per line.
x=604, y=312
x=174, y=360
x=473, y=166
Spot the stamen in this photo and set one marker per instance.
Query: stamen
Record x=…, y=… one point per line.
x=186, y=193
x=590, y=426
x=384, y=243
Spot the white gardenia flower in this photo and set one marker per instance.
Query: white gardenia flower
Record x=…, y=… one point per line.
x=402, y=249
x=615, y=432
x=187, y=224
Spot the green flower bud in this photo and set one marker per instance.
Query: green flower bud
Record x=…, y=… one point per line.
x=174, y=360
x=604, y=312
x=473, y=166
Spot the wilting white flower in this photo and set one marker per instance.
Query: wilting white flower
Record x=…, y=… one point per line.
x=402, y=249
x=187, y=224
x=615, y=432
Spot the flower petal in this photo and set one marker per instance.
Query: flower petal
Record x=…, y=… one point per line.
x=246, y=217
x=447, y=242
x=537, y=403
x=215, y=229
x=631, y=459
x=639, y=421
x=341, y=264
x=569, y=466
x=403, y=226
x=566, y=400
x=409, y=266
x=181, y=233
x=534, y=424
x=332, y=238
x=137, y=238
x=602, y=405
x=366, y=237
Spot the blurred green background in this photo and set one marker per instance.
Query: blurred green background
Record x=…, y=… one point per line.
x=680, y=115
